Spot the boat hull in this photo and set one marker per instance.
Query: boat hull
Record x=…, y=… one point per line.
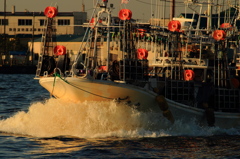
x=188, y=113
x=82, y=89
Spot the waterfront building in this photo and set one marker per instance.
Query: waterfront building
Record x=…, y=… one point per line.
x=25, y=26
x=26, y=22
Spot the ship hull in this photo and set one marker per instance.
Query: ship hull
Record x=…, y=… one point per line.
x=82, y=89
x=202, y=118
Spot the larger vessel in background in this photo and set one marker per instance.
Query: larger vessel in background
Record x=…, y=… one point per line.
x=195, y=67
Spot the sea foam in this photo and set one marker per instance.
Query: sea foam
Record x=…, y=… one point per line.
x=91, y=119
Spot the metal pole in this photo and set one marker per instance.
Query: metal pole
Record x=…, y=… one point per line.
x=209, y=23
x=4, y=29
x=172, y=9
x=33, y=26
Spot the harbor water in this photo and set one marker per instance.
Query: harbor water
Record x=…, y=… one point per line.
x=34, y=125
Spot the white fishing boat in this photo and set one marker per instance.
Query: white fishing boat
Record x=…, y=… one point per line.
x=104, y=73
x=181, y=71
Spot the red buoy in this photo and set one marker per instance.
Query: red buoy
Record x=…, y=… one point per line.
x=125, y=14
x=50, y=12
x=225, y=25
x=174, y=26
x=93, y=22
x=142, y=54
x=141, y=32
x=189, y=75
x=59, y=50
x=219, y=35
x=102, y=68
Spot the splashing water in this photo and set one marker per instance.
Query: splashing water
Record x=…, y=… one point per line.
x=97, y=119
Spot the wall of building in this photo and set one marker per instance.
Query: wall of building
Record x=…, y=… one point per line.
x=32, y=22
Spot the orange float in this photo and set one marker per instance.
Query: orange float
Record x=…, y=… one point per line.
x=59, y=50
x=219, y=35
x=142, y=54
x=50, y=12
x=102, y=68
x=92, y=22
x=189, y=75
x=125, y=14
x=174, y=26
x=225, y=25
x=141, y=32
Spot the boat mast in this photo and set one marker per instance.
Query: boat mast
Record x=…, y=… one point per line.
x=4, y=30
x=209, y=19
x=172, y=9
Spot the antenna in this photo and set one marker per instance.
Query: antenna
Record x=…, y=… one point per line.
x=83, y=6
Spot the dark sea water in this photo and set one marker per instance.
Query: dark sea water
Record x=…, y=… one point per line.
x=33, y=125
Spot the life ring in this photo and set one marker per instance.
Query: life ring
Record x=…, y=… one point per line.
x=125, y=14
x=226, y=26
x=219, y=35
x=142, y=54
x=174, y=26
x=189, y=75
x=50, y=12
x=59, y=50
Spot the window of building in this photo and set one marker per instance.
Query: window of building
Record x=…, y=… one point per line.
x=63, y=22
x=10, y=29
x=3, y=21
x=24, y=21
x=42, y=22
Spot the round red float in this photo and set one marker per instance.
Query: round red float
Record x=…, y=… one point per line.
x=219, y=35
x=141, y=32
x=93, y=21
x=189, y=75
x=59, y=50
x=174, y=26
x=125, y=14
x=142, y=54
x=50, y=12
x=225, y=25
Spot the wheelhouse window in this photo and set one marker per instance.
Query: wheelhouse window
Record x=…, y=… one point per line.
x=63, y=22
x=24, y=22
x=3, y=21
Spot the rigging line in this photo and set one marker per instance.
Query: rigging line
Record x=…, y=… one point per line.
x=83, y=89
x=88, y=30
x=141, y=1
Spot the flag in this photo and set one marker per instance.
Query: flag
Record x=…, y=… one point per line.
x=125, y=1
